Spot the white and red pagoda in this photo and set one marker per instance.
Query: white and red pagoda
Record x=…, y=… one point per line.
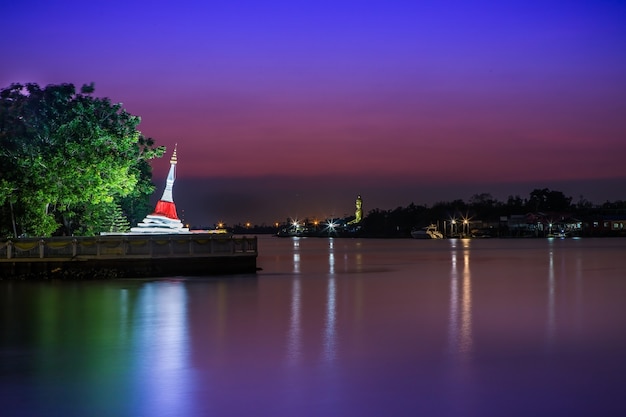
x=164, y=218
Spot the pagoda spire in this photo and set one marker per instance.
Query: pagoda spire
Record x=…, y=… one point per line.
x=171, y=177
x=165, y=206
x=164, y=218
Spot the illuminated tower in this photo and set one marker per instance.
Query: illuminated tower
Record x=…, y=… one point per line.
x=164, y=218
x=165, y=206
x=358, y=214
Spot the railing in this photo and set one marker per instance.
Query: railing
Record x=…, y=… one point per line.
x=133, y=246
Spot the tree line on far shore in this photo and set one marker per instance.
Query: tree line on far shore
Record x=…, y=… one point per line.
x=484, y=207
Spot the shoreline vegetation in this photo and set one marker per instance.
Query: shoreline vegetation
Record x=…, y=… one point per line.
x=545, y=213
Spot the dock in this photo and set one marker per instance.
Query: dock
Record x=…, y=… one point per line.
x=126, y=256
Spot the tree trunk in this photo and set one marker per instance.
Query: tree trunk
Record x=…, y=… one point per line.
x=13, y=220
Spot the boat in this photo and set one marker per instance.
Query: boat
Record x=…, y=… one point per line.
x=428, y=232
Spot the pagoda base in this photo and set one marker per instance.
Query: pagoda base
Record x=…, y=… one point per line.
x=157, y=224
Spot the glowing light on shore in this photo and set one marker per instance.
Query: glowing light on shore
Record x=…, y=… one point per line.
x=330, y=226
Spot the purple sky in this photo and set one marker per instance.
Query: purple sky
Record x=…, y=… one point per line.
x=284, y=108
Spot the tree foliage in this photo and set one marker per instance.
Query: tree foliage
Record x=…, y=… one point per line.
x=484, y=207
x=67, y=159
x=547, y=200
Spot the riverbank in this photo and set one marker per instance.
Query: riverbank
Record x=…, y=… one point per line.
x=123, y=256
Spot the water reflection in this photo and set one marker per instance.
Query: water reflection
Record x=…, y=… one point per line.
x=331, y=256
x=120, y=348
x=579, y=295
x=294, y=337
x=294, y=333
x=551, y=322
x=124, y=308
x=331, y=299
x=330, y=322
x=466, y=317
x=454, y=303
x=359, y=258
x=162, y=348
x=296, y=255
x=460, y=338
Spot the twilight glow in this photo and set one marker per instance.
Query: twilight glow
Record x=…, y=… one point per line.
x=293, y=108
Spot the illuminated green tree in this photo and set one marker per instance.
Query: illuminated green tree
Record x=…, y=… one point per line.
x=66, y=157
x=114, y=222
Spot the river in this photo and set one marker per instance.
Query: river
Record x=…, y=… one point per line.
x=332, y=327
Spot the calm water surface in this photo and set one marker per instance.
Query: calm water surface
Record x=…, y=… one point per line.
x=332, y=327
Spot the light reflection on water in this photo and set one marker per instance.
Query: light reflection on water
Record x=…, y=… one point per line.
x=162, y=340
x=333, y=327
x=296, y=255
x=331, y=299
x=294, y=338
x=460, y=318
x=550, y=322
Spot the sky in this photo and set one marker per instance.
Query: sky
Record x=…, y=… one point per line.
x=293, y=108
